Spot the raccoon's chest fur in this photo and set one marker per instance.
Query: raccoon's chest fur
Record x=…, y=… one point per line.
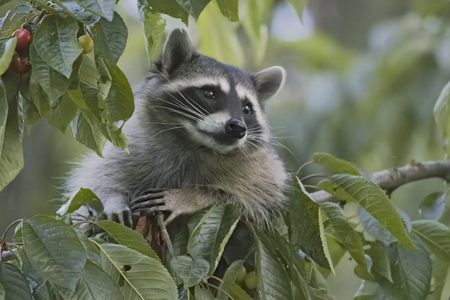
x=200, y=132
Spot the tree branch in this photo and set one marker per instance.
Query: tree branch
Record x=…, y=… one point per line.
x=392, y=179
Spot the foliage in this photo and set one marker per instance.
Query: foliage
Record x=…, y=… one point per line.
x=55, y=260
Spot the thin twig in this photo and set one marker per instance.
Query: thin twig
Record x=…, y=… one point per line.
x=10, y=225
x=165, y=235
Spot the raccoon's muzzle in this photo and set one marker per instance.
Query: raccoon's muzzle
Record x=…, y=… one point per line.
x=236, y=128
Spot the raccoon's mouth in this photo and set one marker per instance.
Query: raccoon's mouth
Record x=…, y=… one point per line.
x=214, y=139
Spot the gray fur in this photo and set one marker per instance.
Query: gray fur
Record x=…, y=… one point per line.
x=164, y=155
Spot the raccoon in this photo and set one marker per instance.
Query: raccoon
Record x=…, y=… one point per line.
x=198, y=137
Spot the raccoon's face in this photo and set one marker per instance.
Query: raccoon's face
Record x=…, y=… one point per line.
x=220, y=106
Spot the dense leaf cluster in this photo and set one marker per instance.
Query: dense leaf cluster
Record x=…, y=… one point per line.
x=395, y=258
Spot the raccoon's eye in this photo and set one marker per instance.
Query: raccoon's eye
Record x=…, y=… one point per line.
x=247, y=109
x=208, y=93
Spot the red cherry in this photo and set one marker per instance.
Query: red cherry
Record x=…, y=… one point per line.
x=23, y=39
x=19, y=64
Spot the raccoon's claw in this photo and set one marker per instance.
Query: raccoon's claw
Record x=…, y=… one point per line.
x=150, y=202
x=123, y=217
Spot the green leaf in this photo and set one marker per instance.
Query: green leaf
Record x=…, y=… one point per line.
x=299, y=5
x=230, y=275
x=373, y=227
x=13, y=284
x=190, y=271
x=3, y=113
x=304, y=229
x=62, y=114
x=145, y=277
x=54, y=250
x=104, y=84
x=84, y=197
x=380, y=260
x=194, y=8
x=110, y=38
x=96, y=284
x=235, y=291
x=86, y=134
x=344, y=233
x=38, y=96
x=11, y=159
x=203, y=294
x=154, y=25
x=274, y=283
x=432, y=206
x=442, y=115
x=219, y=41
x=435, y=235
x=441, y=276
x=324, y=242
x=78, y=12
x=230, y=9
x=88, y=72
x=369, y=291
x=127, y=237
x=103, y=8
x=119, y=104
x=411, y=272
x=335, y=164
x=212, y=233
x=92, y=253
x=7, y=50
x=168, y=7
x=372, y=198
x=30, y=114
x=56, y=42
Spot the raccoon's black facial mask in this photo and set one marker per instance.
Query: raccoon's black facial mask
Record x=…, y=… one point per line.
x=220, y=106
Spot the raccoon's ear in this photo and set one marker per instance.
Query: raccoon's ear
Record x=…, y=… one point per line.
x=178, y=49
x=268, y=82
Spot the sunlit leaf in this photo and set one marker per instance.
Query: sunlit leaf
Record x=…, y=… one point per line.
x=7, y=50
x=230, y=275
x=145, y=277
x=88, y=72
x=154, y=26
x=54, y=249
x=13, y=284
x=372, y=198
x=230, y=9
x=110, y=38
x=127, y=237
x=335, y=164
x=212, y=233
x=435, y=235
x=56, y=42
x=190, y=271
x=83, y=197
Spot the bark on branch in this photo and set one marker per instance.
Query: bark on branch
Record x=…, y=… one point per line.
x=391, y=179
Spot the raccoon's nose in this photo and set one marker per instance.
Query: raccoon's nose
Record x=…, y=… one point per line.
x=236, y=128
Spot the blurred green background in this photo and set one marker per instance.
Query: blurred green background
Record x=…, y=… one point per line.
x=362, y=80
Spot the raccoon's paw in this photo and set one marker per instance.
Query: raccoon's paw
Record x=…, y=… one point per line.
x=119, y=213
x=151, y=202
